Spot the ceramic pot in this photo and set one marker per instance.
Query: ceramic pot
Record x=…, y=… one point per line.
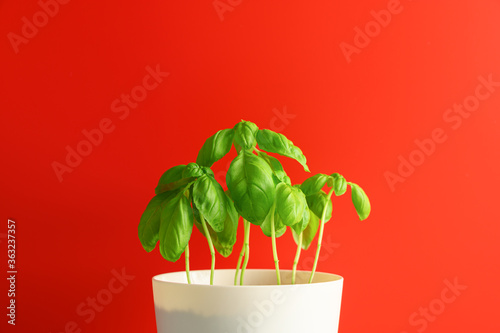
x=259, y=306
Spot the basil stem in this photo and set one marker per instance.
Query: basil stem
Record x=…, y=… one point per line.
x=211, y=246
x=246, y=245
x=275, y=252
x=320, y=237
x=240, y=259
x=297, y=257
x=186, y=255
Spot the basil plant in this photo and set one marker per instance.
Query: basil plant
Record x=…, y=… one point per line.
x=259, y=194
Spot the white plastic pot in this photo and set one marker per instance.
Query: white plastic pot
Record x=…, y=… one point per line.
x=260, y=306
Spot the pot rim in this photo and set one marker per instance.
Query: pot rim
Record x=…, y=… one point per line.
x=325, y=278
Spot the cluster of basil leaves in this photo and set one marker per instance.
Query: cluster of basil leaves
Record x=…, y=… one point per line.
x=259, y=191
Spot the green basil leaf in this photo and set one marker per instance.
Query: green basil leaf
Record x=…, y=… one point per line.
x=316, y=202
x=275, y=165
x=211, y=231
x=149, y=226
x=302, y=224
x=277, y=143
x=196, y=215
x=171, y=179
x=176, y=227
x=223, y=241
x=237, y=146
x=279, y=227
x=315, y=183
x=309, y=232
x=250, y=181
x=280, y=230
x=215, y=147
x=266, y=225
x=340, y=184
x=244, y=134
x=360, y=201
x=289, y=204
x=231, y=210
x=207, y=171
x=199, y=226
x=226, y=239
x=210, y=200
x=192, y=170
x=222, y=249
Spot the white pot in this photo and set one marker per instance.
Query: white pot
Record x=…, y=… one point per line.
x=260, y=306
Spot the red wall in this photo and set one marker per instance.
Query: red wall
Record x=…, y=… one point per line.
x=355, y=103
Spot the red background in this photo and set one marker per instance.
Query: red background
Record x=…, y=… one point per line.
x=264, y=57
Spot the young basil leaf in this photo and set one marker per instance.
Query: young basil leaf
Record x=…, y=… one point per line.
x=207, y=171
x=176, y=227
x=231, y=210
x=223, y=241
x=209, y=198
x=296, y=235
x=289, y=204
x=297, y=228
x=360, y=201
x=199, y=226
x=280, y=230
x=309, y=232
x=316, y=202
x=279, y=227
x=237, y=146
x=250, y=181
x=149, y=226
x=222, y=249
x=340, y=184
x=215, y=147
x=226, y=239
x=302, y=224
x=196, y=215
x=266, y=225
x=275, y=165
x=315, y=183
x=192, y=170
x=277, y=143
x=170, y=179
x=244, y=134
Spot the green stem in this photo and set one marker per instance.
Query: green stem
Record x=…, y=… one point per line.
x=186, y=255
x=320, y=237
x=297, y=257
x=242, y=253
x=238, y=264
x=275, y=252
x=211, y=246
x=246, y=246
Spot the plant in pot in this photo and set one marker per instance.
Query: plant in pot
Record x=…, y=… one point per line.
x=259, y=194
